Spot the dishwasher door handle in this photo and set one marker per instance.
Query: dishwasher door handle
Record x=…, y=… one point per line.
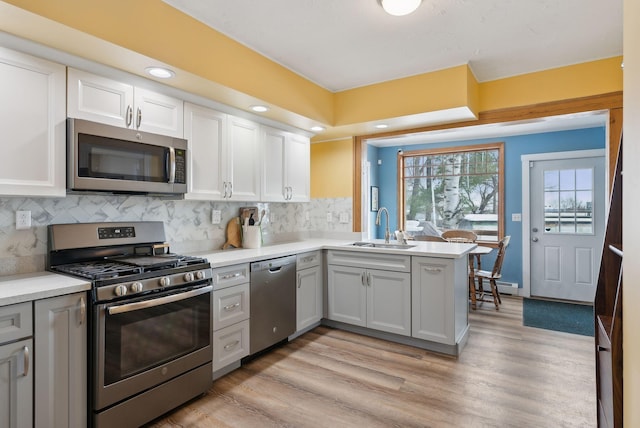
x=275, y=269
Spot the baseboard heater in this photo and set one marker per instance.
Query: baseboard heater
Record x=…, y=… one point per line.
x=503, y=287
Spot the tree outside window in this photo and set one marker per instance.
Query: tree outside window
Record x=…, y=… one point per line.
x=453, y=188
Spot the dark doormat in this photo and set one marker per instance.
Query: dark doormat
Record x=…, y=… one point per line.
x=559, y=316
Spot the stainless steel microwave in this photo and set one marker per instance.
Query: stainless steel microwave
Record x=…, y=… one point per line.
x=105, y=158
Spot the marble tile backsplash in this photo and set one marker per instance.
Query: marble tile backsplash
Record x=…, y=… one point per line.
x=188, y=226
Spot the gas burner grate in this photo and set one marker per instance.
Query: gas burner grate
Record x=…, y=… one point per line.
x=99, y=269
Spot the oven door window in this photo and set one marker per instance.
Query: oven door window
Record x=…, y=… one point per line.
x=102, y=157
x=145, y=338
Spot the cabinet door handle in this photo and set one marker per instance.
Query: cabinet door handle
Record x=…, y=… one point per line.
x=368, y=279
x=299, y=281
x=230, y=190
x=25, y=351
x=231, y=307
x=433, y=270
x=231, y=345
x=138, y=118
x=230, y=276
x=603, y=349
x=362, y=278
x=83, y=311
x=129, y=116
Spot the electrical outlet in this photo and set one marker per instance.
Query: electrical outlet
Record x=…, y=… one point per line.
x=516, y=217
x=329, y=217
x=216, y=216
x=344, y=218
x=23, y=219
x=306, y=215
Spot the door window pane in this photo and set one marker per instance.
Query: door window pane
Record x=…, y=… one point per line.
x=568, y=201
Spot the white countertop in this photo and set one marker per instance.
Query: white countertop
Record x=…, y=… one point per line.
x=420, y=248
x=40, y=285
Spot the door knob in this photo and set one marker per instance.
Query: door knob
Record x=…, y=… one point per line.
x=535, y=229
x=534, y=239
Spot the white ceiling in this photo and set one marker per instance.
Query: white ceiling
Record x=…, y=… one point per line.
x=343, y=44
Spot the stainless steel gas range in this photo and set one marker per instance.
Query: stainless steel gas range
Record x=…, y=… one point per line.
x=150, y=340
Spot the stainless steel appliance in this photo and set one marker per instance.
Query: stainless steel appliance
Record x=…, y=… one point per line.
x=111, y=159
x=150, y=340
x=273, y=302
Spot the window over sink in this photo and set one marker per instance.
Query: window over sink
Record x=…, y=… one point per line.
x=453, y=188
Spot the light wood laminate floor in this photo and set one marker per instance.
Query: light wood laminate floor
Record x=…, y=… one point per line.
x=507, y=376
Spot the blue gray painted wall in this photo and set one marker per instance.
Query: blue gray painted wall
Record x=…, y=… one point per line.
x=514, y=147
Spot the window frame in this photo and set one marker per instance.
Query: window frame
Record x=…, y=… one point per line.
x=458, y=149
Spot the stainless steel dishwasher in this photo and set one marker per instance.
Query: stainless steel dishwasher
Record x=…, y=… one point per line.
x=273, y=302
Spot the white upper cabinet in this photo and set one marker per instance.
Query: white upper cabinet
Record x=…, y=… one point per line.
x=103, y=100
x=285, y=166
x=33, y=127
x=242, y=155
x=223, y=156
x=205, y=131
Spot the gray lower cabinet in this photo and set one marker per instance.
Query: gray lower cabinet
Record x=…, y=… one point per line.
x=440, y=299
x=308, y=290
x=231, y=311
x=379, y=299
x=16, y=370
x=61, y=362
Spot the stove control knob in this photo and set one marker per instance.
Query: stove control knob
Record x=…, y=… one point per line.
x=121, y=290
x=165, y=281
x=200, y=274
x=137, y=287
x=188, y=277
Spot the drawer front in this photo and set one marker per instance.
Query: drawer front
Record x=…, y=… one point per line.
x=307, y=260
x=370, y=259
x=230, y=344
x=230, y=305
x=229, y=276
x=16, y=322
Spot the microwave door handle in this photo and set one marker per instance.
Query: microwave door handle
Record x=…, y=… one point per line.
x=171, y=165
x=130, y=307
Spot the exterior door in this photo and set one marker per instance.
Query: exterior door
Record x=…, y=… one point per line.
x=567, y=226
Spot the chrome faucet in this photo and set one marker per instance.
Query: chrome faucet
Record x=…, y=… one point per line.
x=386, y=231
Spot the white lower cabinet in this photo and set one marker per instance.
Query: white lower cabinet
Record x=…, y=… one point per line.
x=61, y=364
x=440, y=299
x=16, y=370
x=231, y=303
x=308, y=290
x=366, y=297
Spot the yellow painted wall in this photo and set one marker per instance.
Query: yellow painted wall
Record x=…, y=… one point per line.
x=332, y=169
x=155, y=29
x=439, y=90
x=574, y=81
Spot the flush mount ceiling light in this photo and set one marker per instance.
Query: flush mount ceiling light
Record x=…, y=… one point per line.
x=317, y=128
x=259, y=108
x=381, y=126
x=400, y=7
x=160, y=72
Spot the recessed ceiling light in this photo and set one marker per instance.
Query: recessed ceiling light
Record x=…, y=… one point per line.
x=381, y=126
x=160, y=72
x=317, y=128
x=259, y=108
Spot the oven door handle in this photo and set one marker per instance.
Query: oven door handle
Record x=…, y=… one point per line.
x=129, y=307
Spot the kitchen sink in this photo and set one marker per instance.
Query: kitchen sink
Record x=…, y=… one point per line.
x=382, y=245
